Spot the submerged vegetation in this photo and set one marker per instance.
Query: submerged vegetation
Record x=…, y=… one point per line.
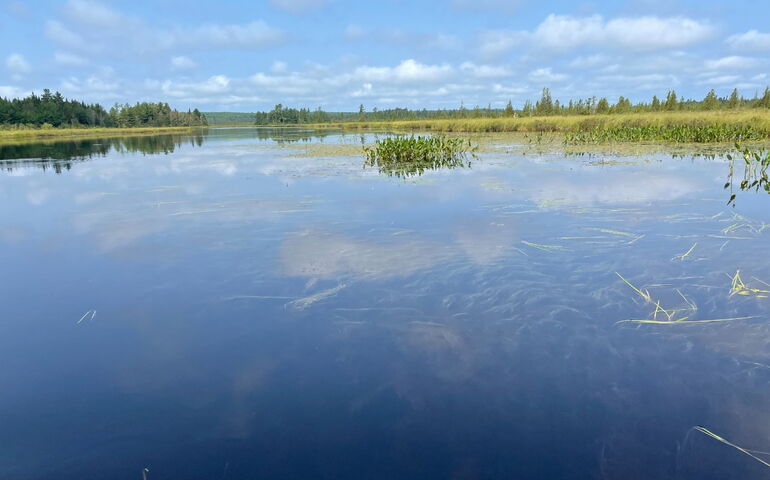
x=409, y=156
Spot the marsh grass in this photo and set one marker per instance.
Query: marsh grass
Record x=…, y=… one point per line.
x=669, y=127
x=411, y=156
x=25, y=135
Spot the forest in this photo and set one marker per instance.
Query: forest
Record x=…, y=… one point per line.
x=545, y=106
x=52, y=110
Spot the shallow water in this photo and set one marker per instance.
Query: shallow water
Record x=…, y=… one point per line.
x=256, y=304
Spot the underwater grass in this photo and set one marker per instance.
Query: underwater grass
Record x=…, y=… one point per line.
x=672, y=316
x=750, y=453
x=403, y=156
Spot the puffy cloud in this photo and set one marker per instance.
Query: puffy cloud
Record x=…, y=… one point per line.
x=566, y=32
x=546, y=75
x=17, y=65
x=216, y=84
x=256, y=34
x=103, y=30
x=354, y=32
x=751, y=40
x=563, y=32
x=182, y=63
x=484, y=71
x=731, y=63
x=407, y=71
x=66, y=59
x=493, y=43
x=8, y=91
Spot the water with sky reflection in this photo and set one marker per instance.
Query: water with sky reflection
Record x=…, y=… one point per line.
x=245, y=303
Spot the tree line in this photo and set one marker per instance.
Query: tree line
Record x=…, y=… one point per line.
x=545, y=106
x=53, y=110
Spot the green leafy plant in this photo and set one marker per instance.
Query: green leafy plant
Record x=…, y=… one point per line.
x=410, y=156
x=755, y=171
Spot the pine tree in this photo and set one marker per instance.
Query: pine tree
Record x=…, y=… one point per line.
x=508, y=109
x=710, y=101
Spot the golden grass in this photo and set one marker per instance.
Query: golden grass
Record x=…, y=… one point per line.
x=10, y=136
x=758, y=119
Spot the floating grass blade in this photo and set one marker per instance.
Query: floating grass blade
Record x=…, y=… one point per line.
x=684, y=321
x=750, y=453
x=738, y=287
x=644, y=294
x=547, y=248
x=686, y=254
x=90, y=312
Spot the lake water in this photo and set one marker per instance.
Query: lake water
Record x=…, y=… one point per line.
x=247, y=304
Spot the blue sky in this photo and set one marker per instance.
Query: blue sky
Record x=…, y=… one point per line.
x=246, y=55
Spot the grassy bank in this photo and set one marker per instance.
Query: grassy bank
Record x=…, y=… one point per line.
x=676, y=127
x=14, y=135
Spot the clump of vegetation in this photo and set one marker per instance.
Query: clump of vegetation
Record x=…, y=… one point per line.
x=682, y=133
x=755, y=171
x=409, y=156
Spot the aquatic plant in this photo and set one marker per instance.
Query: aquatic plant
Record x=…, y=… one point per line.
x=738, y=287
x=751, y=453
x=755, y=171
x=672, y=316
x=675, y=133
x=403, y=156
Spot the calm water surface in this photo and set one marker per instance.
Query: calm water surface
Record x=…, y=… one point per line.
x=257, y=304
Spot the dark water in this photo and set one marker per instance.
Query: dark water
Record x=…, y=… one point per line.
x=226, y=306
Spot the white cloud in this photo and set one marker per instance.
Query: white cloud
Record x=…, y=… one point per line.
x=566, y=32
x=354, y=32
x=731, y=63
x=182, y=63
x=298, y=6
x=561, y=32
x=8, y=91
x=256, y=34
x=95, y=14
x=546, y=75
x=589, y=61
x=407, y=71
x=17, y=65
x=217, y=84
x=484, y=71
x=69, y=59
x=102, y=30
x=279, y=67
x=751, y=40
x=58, y=33
x=93, y=84
x=493, y=43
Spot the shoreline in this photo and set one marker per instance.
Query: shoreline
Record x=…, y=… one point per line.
x=11, y=136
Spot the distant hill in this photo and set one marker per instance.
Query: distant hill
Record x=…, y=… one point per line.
x=229, y=118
